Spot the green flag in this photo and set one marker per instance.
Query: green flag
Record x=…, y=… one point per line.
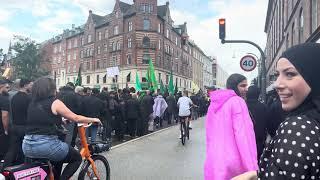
x=162, y=88
x=171, y=86
x=152, y=76
x=138, y=84
x=79, y=79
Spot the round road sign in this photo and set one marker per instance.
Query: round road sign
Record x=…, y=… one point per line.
x=248, y=63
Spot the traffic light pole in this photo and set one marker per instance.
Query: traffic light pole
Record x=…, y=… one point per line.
x=263, y=65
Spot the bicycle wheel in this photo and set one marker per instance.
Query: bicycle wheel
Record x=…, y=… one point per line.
x=103, y=168
x=183, y=132
x=187, y=130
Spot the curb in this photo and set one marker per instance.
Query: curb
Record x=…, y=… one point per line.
x=136, y=139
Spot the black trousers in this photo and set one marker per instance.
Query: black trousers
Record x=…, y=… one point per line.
x=132, y=125
x=15, y=153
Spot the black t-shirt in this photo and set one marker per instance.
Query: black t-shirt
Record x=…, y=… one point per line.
x=19, y=108
x=4, y=106
x=41, y=120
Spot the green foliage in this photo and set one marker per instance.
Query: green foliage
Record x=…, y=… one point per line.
x=27, y=59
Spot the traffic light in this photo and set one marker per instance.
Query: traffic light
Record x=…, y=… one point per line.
x=222, y=28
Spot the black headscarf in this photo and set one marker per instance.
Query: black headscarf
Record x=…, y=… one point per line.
x=253, y=93
x=233, y=81
x=306, y=59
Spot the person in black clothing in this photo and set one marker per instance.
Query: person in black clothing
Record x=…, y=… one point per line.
x=259, y=115
x=45, y=114
x=146, y=107
x=19, y=106
x=4, y=118
x=172, y=105
x=93, y=107
x=275, y=114
x=133, y=114
x=68, y=96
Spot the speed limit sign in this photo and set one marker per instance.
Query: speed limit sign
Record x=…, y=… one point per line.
x=248, y=63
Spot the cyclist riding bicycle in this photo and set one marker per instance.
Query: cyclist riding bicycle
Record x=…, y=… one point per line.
x=42, y=133
x=184, y=104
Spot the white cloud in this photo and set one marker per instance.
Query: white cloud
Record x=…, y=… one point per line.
x=5, y=36
x=100, y=7
x=4, y=15
x=41, y=7
x=54, y=23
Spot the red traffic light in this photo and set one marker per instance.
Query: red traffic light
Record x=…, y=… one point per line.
x=222, y=21
x=222, y=28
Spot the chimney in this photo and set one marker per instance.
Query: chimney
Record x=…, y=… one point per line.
x=167, y=3
x=73, y=26
x=90, y=12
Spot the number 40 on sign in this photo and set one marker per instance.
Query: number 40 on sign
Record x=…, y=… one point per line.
x=248, y=63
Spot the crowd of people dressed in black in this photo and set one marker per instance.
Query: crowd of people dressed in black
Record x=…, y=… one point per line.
x=122, y=112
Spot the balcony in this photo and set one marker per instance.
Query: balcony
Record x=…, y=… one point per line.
x=144, y=46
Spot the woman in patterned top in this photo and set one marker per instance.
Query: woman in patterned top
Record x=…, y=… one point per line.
x=294, y=152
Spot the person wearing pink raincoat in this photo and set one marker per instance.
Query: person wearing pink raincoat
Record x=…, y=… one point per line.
x=230, y=138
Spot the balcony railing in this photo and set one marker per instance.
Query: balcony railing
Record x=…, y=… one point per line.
x=144, y=46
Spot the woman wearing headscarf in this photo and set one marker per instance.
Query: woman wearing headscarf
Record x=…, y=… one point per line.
x=294, y=151
x=231, y=145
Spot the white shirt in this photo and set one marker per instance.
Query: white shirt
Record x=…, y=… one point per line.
x=184, y=104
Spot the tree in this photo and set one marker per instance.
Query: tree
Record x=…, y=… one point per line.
x=27, y=59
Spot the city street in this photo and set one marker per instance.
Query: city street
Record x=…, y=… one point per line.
x=160, y=156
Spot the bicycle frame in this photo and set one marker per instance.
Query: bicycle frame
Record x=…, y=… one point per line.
x=85, y=152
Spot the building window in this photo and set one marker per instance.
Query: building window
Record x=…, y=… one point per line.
x=74, y=68
x=176, y=41
x=159, y=45
x=74, y=55
x=168, y=33
x=116, y=30
x=167, y=79
x=69, y=69
x=129, y=43
x=159, y=77
x=159, y=28
x=106, y=34
x=105, y=47
x=69, y=57
x=88, y=79
x=130, y=26
x=314, y=15
x=146, y=42
x=75, y=43
x=118, y=45
x=301, y=26
x=293, y=34
x=98, y=50
x=69, y=44
x=129, y=59
x=145, y=58
x=114, y=46
x=98, y=64
x=88, y=65
x=99, y=36
x=82, y=41
x=104, y=79
x=98, y=78
x=55, y=49
x=146, y=24
x=81, y=54
x=89, y=38
x=180, y=82
x=114, y=60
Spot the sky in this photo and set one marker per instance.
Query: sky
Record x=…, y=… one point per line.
x=245, y=20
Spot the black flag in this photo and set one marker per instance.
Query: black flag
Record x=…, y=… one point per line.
x=129, y=77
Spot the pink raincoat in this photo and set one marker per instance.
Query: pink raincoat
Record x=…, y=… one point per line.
x=231, y=144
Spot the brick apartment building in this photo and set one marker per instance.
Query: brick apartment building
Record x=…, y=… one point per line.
x=289, y=22
x=127, y=38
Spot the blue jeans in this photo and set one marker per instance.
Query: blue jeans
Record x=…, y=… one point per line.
x=44, y=146
x=92, y=131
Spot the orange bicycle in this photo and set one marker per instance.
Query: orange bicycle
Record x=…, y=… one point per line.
x=95, y=166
